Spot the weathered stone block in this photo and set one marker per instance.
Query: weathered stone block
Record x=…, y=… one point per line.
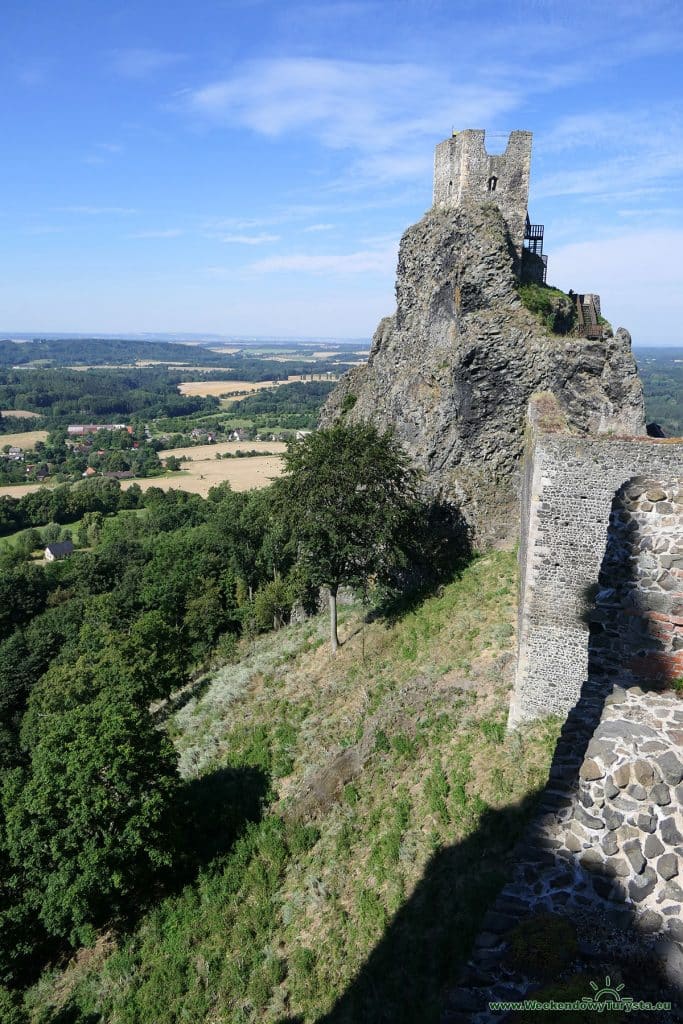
x=634, y=854
x=590, y=770
x=670, y=767
x=660, y=795
x=589, y=820
x=592, y=860
x=642, y=885
x=610, y=845
x=646, y=822
x=669, y=833
x=652, y=847
x=667, y=866
x=644, y=774
x=649, y=922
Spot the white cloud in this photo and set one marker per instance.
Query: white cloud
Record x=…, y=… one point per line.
x=162, y=233
x=368, y=106
x=364, y=261
x=639, y=275
x=319, y=227
x=140, y=63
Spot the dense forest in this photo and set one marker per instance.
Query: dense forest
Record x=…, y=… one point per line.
x=97, y=395
x=85, y=645
x=292, y=406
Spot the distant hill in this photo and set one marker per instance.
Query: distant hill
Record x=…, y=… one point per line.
x=98, y=351
x=661, y=371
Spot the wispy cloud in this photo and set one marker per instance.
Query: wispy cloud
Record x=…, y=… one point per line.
x=364, y=261
x=162, y=233
x=319, y=227
x=249, y=239
x=141, y=63
x=370, y=107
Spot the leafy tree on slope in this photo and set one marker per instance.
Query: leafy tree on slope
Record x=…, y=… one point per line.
x=350, y=494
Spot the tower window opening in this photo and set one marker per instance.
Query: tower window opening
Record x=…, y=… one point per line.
x=492, y=182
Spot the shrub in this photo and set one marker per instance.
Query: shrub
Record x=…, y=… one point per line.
x=554, y=308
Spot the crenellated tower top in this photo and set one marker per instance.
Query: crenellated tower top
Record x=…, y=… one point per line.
x=465, y=172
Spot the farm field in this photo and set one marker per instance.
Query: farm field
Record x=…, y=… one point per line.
x=204, y=452
x=25, y=440
x=20, y=414
x=203, y=388
x=242, y=474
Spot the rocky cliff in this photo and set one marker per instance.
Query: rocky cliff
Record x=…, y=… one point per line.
x=452, y=371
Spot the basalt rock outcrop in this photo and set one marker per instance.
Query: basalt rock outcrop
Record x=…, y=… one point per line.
x=452, y=371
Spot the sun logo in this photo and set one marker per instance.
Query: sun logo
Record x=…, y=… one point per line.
x=607, y=991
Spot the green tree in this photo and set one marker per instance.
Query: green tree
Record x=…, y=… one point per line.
x=86, y=822
x=349, y=493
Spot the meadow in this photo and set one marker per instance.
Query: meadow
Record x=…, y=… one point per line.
x=26, y=440
x=391, y=798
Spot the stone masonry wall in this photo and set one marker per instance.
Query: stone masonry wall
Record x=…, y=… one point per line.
x=637, y=622
x=600, y=567
x=605, y=856
x=463, y=172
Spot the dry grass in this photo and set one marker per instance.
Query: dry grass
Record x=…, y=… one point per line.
x=26, y=440
x=206, y=452
x=242, y=474
x=21, y=414
x=202, y=388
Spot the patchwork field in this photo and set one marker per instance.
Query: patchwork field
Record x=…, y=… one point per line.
x=26, y=440
x=243, y=475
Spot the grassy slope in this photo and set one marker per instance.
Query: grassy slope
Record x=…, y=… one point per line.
x=395, y=799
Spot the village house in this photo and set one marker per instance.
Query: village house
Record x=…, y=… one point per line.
x=76, y=429
x=60, y=549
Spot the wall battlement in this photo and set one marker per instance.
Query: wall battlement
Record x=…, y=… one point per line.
x=601, y=554
x=465, y=172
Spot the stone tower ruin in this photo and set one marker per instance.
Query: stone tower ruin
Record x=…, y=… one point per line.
x=464, y=172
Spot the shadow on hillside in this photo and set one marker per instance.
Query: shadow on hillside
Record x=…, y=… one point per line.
x=411, y=975
x=439, y=549
x=212, y=811
x=208, y=815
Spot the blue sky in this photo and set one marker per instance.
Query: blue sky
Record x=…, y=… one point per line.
x=238, y=166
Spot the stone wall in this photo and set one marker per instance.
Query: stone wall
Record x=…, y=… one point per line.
x=604, y=858
x=464, y=172
x=601, y=567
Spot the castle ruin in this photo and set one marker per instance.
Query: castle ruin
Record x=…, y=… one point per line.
x=464, y=172
x=539, y=436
